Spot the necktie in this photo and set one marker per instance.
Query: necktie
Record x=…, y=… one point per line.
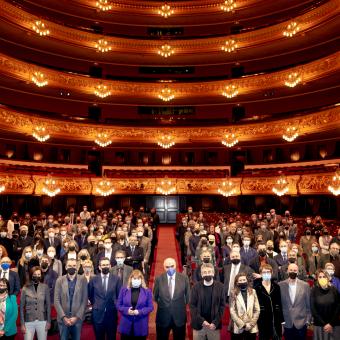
x=284, y=257
x=51, y=242
x=170, y=287
x=105, y=283
x=132, y=250
x=4, y=275
x=120, y=274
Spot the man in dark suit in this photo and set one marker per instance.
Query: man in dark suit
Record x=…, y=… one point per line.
x=247, y=252
x=23, y=241
x=231, y=270
x=282, y=258
x=52, y=241
x=171, y=293
x=81, y=238
x=332, y=257
x=120, y=269
x=103, y=291
x=10, y=275
x=134, y=254
x=109, y=252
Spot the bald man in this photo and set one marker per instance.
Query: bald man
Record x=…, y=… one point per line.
x=171, y=293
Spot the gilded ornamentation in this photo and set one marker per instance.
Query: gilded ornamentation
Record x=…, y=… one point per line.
x=17, y=184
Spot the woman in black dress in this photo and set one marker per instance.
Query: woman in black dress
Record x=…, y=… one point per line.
x=271, y=317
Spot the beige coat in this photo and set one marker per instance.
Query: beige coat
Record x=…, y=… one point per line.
x=241, y=315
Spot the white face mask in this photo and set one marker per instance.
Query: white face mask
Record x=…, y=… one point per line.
x=72, y=256
x=136, y=283
x=40, y=252
x=283, y=250
x=140, y=234
x=51, y=254
x=229, y=241
x=51, y=234
x=107, y=246
x=246, y=243
x=63, y=233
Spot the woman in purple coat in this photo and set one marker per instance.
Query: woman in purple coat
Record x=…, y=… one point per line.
x=135, y=305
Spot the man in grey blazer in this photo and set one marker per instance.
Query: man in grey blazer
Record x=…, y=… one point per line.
x=171, y=293
x=120, y=269
x=70, y=301
x=295, y=297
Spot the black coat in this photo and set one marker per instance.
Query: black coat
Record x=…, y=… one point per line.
x=270, y=311
x=217, y=304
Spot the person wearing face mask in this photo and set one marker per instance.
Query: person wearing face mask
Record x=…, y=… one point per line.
x=292, y=258
x=313, y=261
x=91, y=246
x=194, y=240
x=56, y=264
x=226, y=249
x=39, y=251
x=10, y=275
x=269, y=296
x=49, y=275
x=53, y=241
x=26, y=262
x=282, y=258
x=205, y=258
x=244, y=310
x=207, y=305
x=264, y=232
x=9, y=311
x=295, y=298
x=247, y=252
x=70, y=301
x=186, y=247
x=145, y=243
x=325, y=306
x=71, y=253
x=270, y=249
x=35, y=307
x=171, y=293
x=6, y=242
x=324, y=241
x=85, y=216
x=81, y=238
x=122, y=270
x=335, y=281
x=135, y=305
x=23, y=240
x=231, y=270
x=103, y=291
x=82, y=257
x=134, y=254
x=108, y=252
x=306, y=242
x=332, y=257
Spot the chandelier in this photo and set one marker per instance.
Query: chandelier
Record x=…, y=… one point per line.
x=166, y=94
x=230, y=91
x=291, y=29
x=228, y=5
x=105, y=188
x=102, y=91
x=293, y=79
x=166, y=141
x=50, y=187
x=334, y=188
x=166, y=187
x=291, y=134
x=227, y=188
x=229, y=46
x=103, y=140
x=230, y=140
x=40, y=28
x=104, y=5
x=165, y=11
x=102, y=46
x=40, y=134
x=281, y=187
x=2, y=188
x=166, y=51
x=38, y=78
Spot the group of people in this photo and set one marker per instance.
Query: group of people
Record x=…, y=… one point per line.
x=94, y=266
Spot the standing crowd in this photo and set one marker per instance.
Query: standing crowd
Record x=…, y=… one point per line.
x=57, y=272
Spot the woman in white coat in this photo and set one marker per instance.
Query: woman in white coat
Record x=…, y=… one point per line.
x=244, y=310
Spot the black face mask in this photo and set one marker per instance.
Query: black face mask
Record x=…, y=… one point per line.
x=36, y=279
x=3, y=290
x=308, y=232
x=105, y=270
x=270, y=248
x=44, y=265
x=197, y=232
x=242, y=286
x=262, y=253
x=291, y=259
x=292, y=275
x=92, y=244
x=208, y=278
x=72, y=248
x=83, y=257
x=235, y=261
x=206, y=259
x=23, y=233
x=113, y=239
x=84, y=232
x=71, y=271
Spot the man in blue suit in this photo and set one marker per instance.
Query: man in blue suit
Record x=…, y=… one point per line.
x=247, y=252
x=103, y=292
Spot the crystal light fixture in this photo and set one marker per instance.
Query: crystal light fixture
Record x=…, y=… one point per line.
x=50, y=187
x=291, y=29
x=102, y=91
x=293, y=79
x=105, y=188
x=39, y=79
x=40, y=28
x=229, y=46
x=291, y=134
x=281, y=187
x=334, y=187
x=40, y=134
x=103, y=140
x=104, y=5
x=229, y=140
x=230, y=91
x=166, y=141
x=227, y=188
x=103, y=46
x=166, y=51
x=2, y=188
x=228, y=5
x=165, y=11
x=166, y=94
x=166, y=187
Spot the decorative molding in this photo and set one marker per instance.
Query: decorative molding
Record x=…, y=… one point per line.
x=304, y=184
x=309, y=72
x=248, y=39
x=312, y=123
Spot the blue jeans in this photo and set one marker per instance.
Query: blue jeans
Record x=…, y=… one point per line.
x=73, y=331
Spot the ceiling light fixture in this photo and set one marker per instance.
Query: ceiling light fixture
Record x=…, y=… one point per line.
x=334, y=188
x=281, y=187
x=166, y=187
x=105, y=188
x=39, y=79
x=293, y=79
x=50, y=187
x=102, y=91
x=103, y=46
x=227, y=188
x=40, y=28
x=2, y=188
x=228, y=5
x=103, y=140
x=229, y=46
x=166, y=94
x=40, y=134
x=291, y=29
x=230, y=91
x=230, y=140
x=291, y=134
x=165, y=11
x=166, y=141
x=166, y=51
x=104, y=5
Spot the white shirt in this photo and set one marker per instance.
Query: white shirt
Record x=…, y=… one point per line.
x=108, y=253
x=6, y=272
x=292, y=290
x=173, y=277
